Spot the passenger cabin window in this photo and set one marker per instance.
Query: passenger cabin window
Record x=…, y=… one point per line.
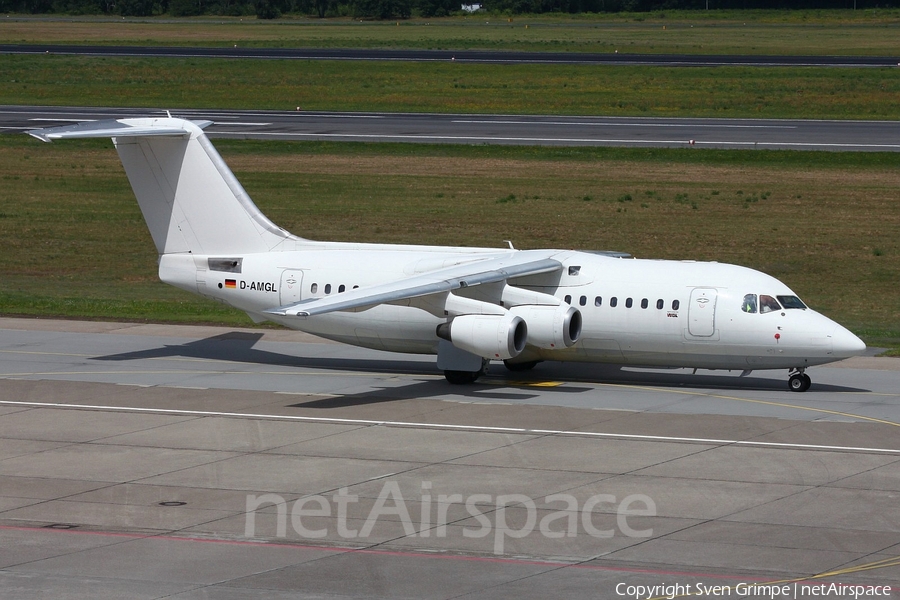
x=791, y=302
x=598, y=301
x=768, y=304
x=675, y=304
x=327, y=288
x=645, y=303
x=613, y=302
x=341, y=288
x=628, y=302
x=314, y=288
x=573, y=271
x=660, y=304
x=568, y=299
x=582, y=301
x=749, y=305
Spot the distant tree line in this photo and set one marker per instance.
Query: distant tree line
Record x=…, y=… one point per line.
x=401, y=9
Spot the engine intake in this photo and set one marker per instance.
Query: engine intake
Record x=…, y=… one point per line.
x=499, y=337
x=550, y=327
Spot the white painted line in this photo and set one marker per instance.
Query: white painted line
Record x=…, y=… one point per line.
x=800, y=144
x=466, y=138
x=606, y=124
x=479, y=428
x=345, y=116
x=242, y=124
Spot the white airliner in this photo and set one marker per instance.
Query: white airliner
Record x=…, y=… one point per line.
x=468, y=306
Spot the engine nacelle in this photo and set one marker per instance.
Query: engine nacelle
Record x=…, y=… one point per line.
x=499, y=337
x=550, y=327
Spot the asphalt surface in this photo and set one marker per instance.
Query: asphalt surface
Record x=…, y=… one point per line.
x=147, y=461
x=298, y=124
x=502, y=57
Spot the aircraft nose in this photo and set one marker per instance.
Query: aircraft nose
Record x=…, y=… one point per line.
x=845, y=344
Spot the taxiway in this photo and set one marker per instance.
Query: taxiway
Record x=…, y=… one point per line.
x=133, y=459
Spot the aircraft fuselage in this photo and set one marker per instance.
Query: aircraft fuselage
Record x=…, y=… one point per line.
x=635, y=312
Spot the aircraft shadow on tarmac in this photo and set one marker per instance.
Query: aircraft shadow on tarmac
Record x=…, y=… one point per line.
x=239, y=347
x=430, y=388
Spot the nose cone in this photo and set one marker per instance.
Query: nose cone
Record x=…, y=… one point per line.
x=845, y=344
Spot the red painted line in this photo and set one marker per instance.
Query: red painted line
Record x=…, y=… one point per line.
x=397, y=553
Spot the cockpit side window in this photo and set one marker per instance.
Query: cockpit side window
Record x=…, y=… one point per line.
x=768, y=304
x=791, y=302
x=749, y=305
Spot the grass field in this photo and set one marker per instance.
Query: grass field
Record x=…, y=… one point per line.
x=864, y=32
x=452, y=87
x=75, y=244
x=473, y=88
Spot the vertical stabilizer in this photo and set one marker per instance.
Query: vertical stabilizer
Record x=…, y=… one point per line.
x=190, y=199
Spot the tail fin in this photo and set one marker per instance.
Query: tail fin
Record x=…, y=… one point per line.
x=190, y=199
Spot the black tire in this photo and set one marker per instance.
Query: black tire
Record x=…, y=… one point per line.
x=520, y=366
x=462, y=377
x=799, y=382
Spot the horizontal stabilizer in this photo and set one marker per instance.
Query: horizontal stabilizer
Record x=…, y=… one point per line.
x=112, y=128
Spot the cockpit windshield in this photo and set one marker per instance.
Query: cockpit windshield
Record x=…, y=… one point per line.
x=791, y=302
x=749, y=305
x=768, y=304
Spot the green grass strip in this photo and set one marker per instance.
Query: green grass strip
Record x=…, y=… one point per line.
x=75, y=244
x=818, y=93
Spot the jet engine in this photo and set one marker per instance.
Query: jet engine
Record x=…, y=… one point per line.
x=490, y=336
x=550, y=327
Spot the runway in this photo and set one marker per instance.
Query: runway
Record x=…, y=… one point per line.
x=478, y=56
x=872, y=136
x=149, y=461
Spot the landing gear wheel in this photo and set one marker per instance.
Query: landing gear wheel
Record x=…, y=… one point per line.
x=467, y=377
x=799, y=382
x=462, y=377
x=520, y=366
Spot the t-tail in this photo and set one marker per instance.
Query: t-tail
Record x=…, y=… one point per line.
x=190, y=199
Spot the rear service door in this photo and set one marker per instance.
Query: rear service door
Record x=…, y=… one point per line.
x=291, y=285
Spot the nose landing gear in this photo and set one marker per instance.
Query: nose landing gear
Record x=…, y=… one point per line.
x=799, y=381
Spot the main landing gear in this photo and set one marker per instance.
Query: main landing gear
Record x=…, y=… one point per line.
x=466, y=377
x=799, y=381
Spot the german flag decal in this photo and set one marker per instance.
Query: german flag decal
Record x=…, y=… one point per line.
x=230, y=284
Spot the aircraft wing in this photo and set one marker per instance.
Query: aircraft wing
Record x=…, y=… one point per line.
x=490, y=270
